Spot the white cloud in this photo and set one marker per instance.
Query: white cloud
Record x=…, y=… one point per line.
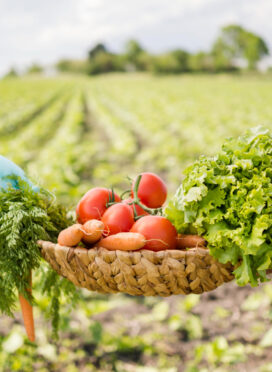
x=46, y=31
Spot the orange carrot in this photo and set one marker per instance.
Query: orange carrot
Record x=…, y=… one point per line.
x=27, y=312
x=190, y=241
x=124, y=241
x=92, y=231
x=71, y=236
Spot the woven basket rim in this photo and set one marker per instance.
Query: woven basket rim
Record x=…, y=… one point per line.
x=141, y=272
x=176, y=252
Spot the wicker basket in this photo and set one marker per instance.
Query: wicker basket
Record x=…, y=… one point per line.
x=141, y=273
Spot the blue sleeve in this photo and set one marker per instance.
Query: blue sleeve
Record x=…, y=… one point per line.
x=8, y=168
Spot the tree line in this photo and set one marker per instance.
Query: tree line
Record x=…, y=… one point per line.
x=234, y=47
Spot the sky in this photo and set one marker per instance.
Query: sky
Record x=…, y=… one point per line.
x=45, y=31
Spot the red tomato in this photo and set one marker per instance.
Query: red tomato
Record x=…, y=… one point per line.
x=140, y=211
x=93, y=204
x=118, y=218
x=156, y=227
x=152, y=190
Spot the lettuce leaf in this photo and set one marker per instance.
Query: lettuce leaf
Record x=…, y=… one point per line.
x=228, y=200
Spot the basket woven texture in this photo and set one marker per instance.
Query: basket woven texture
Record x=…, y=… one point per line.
x=141, y=273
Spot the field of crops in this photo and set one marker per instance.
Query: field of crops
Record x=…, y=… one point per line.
x=70, y=134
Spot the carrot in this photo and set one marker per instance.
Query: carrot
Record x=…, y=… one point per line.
x=27, y=312
x=71, y=236
x=92, y=231
x=190, y=241
x=124, y=241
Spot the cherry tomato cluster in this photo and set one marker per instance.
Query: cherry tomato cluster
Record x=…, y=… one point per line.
x=140, y=212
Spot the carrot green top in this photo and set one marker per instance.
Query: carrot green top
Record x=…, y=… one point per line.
x=27, y=216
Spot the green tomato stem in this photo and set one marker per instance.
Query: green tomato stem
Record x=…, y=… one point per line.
x=124, y=193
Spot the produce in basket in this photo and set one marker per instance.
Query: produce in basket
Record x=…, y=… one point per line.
x=94, y=204
x=159, y=233
x=124, y=241
x=224, y=202
x=190, y=241
x=150, y=260
x=118, y=217
x=92, y=231
x=71, y=236
x=152, y=191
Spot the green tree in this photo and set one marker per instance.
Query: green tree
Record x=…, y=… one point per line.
x=72, y=66
x=35, y=69
x=135, y=57
x=255, y=50
x=236, y=42
x=144, y=61
x=183, y=58
x=101, y=60
x=98, y=48
x=165, y=63
x=201, y=62
x=104, y=62
x=222, y=57
x=173, y=62
x=133, y=49
x=12, y=73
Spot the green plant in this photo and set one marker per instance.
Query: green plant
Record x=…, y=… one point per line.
x=227, y=199
x=27, y=216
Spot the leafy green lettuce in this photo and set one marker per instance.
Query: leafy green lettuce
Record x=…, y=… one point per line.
x=228, y=200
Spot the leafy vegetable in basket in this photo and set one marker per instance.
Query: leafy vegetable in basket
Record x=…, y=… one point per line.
x=28, y=214
x=228, y=200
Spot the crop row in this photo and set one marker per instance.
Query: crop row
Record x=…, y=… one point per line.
x=25, y=101
x=30, y=139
